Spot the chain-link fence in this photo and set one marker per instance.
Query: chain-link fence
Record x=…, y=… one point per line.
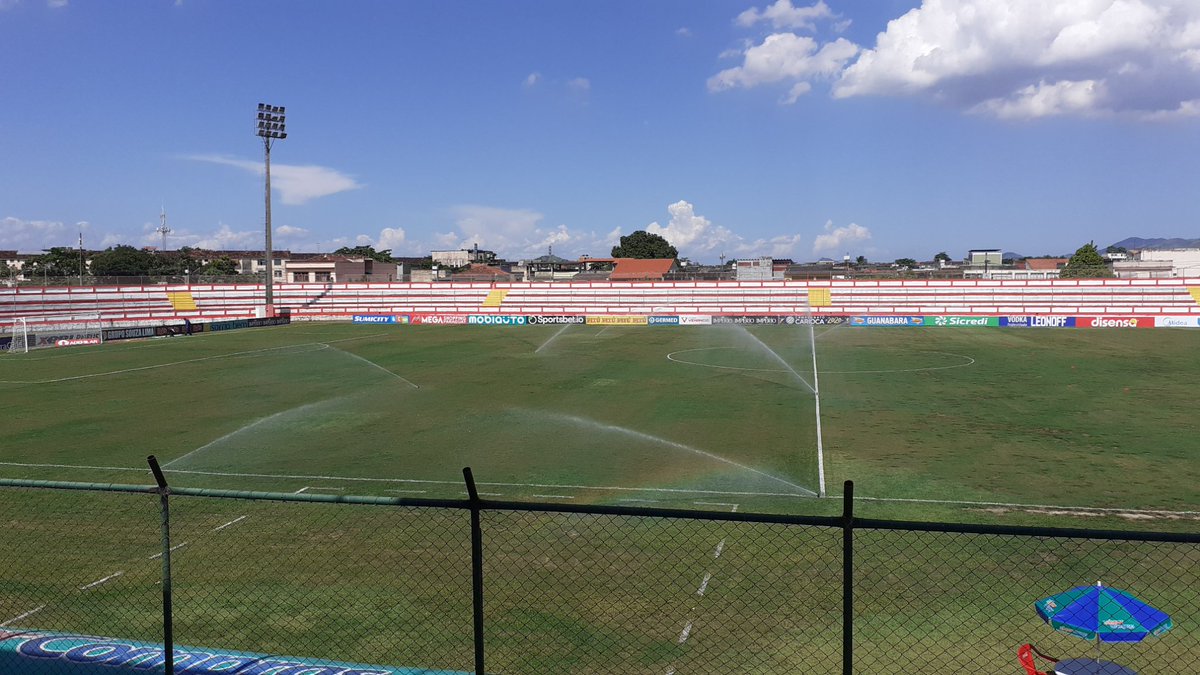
x=318, y=584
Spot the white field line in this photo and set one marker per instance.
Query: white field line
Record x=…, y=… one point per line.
x=717, y=504
x=968, y=361
x=408, y=492
x=680, y=446
x=616, y=488
x=158, y=365
x=322, y=345
x=720, y=548
x=327, y=489
x=159, y=554
x=301, y=490
x=704, y=584
x=376, y=365
x=685, y=633
x=232, y=522
x=553, y=496
x=632, y=499
x=602, y=331
x=101, y=581
x=142, y=343
x=483, y=494
x=26, y=615
x=246, y=427
x=556, y=334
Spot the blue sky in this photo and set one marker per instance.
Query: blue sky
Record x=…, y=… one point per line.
x=789, y=128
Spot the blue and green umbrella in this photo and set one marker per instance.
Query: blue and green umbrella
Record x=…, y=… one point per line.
x=1103, y=614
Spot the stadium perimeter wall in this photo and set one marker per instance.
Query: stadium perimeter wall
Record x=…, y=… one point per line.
x=147, y=305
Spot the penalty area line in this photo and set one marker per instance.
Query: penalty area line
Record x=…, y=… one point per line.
x=26, y=615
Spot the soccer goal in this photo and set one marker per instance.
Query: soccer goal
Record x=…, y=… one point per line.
x=55, y=331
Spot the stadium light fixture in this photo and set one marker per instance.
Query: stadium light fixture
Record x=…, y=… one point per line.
x=271, y=120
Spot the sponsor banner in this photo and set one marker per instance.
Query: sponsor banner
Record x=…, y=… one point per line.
x=5, y=343
x=496, y=320
x=373, y=318
x=696, y=320
x=1114, y=321
x=440, y=319
x=1177, y=322
x=616, y=321
x=539, y=319
x=746, y=320
x=282, y=320
x=814, y=320
x=235, y=324
x=71, y=338
x=961, y=321
x=662, y=320
x=38, y=653
x=1038, y=321
x=886, y=321
x=76, y=342
x=111, y=334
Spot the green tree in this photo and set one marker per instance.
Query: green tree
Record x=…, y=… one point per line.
x=58, y=261
x=7, y=271
x=1087, y=263
x=221, y=267
x=122, y=261
x=366, y=252
x=906, y=262
x=642, y=244
x=860, y=260
x=1116, y=249
x=943, y=256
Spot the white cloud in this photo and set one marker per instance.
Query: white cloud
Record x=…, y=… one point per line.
x=696, y=236
x=1135, y=57
x=799, y=89
x=391, y=238
x=692, y=234
x=835, y=239
x=683, y=31
x=532, y=80
x=518, y=233
x=785, y=56
x=296, y=184
x=226, y=238
x=579, y=85
x=8, y=4
x=1043, y=100
x=55, y=4
x=783, y=14
x=290, y=231
x=32, y=236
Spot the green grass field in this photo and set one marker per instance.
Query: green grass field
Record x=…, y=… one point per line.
x=1048, y=417
x=986, y=425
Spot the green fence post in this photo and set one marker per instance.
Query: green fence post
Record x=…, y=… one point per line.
x=476, y=569
x=168, y=627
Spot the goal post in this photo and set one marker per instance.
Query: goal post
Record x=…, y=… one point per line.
x=42, y=332
x=18, y=342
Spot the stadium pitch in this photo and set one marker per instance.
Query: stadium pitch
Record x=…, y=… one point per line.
x=920, y=418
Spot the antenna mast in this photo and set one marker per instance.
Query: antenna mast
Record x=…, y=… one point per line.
x=163, y=229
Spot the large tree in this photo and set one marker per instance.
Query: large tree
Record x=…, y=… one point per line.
x=59, y=261
x=366, y=252
x=123, y=261
x=942, y=256
x=1087, y=263
x=642, y=244
x=221, y=267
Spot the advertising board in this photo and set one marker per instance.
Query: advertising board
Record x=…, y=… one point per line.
x=695, y=320
x=886, y=321
x=496, y=320
x=1038, y=321
x=1177, y=322
x=747, y=320
x=1114, y=321
x=616, y=320
x=961, y=321
x=440, y=319
x=814, y=320
x=111, y=334
x=68, y=338
x=540, y=319
x=373, y=318
x=662, y=320
x=38, y=653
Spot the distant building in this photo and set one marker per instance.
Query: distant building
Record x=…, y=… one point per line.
x=1184, y=262
x=463, y=257
x=760, y=269
x=336, y=268
x=642, y=269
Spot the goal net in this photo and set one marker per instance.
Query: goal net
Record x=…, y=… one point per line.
x=41, y=332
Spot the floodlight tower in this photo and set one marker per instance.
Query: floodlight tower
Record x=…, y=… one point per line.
x=163, y=229
x=271, y=120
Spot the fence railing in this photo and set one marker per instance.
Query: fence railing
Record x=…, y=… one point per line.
x=184, y=579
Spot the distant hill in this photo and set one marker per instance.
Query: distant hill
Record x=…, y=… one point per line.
x=1133, y=243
